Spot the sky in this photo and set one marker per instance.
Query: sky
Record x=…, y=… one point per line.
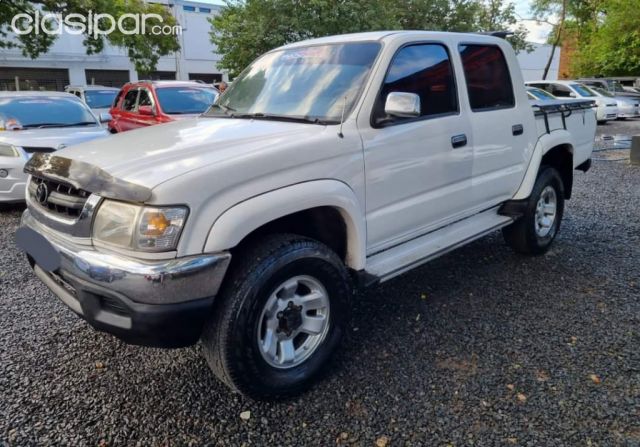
x=538, y=32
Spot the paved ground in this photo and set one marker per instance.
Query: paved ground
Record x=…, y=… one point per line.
x=481, y=347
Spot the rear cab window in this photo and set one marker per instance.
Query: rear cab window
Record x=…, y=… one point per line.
x=487, y=76
x=423, y=69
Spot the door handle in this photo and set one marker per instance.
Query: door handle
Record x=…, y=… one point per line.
x=458, y=140
x=517, y=129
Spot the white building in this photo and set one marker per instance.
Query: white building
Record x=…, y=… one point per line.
x=68, y=63
x=532, y=64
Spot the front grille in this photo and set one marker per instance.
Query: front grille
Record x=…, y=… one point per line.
x=35, y=149
x=60, y=198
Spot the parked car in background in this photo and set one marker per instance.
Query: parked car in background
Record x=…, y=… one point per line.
x=537, y=94
x=611, y=85
x=607, y=108
x=340, y=160
x=628, y=106
x=146, y=103
x=97, y=97
x=34, y=122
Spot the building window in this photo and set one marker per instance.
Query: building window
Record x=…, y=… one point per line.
x=189, y=8
x=205, y=10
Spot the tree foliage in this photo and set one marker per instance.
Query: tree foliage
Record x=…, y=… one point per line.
x=245, y=29
x=143, y=49
x=609, y=40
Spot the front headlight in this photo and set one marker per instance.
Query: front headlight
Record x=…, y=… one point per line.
x=6, y=150
x=137, y=227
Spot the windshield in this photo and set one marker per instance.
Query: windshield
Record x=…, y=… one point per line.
x=100, y=99
x=583, y=90
x=315, y=83
x=37, y=111
x=540, y=94
x=185, y=100
x=602, y=92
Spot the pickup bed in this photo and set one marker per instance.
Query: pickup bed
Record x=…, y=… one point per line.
x=328, y=164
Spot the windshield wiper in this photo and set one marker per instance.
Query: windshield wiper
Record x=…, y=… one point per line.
x=46, y=125
x=296, y=119
x=225, y=109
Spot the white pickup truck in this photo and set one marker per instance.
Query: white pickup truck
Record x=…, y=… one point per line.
x=328, y=163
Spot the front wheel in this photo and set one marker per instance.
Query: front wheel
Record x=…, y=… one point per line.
x=534, y=232
x=280, y=316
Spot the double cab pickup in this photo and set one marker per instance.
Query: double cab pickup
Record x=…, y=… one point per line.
x=327, y=164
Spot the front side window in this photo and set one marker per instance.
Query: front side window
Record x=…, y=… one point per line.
x=41, y=112
x=129, y=101
x=185, y=100
x=99, y=99
x=426, y=71
x=311, y=84
x=488, y=78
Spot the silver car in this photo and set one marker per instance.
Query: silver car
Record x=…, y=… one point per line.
x=628, y=106
x=97, y=97
x=33, y=122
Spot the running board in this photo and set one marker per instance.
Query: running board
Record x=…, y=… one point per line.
x=401, y=258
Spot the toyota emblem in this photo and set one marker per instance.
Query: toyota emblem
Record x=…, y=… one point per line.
x=42, y=193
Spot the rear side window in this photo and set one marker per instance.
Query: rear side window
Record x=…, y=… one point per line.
x=423, y=69
x=488, y=79
x=129, y=102
x=145, y=98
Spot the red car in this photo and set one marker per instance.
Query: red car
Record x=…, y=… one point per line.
x=145, y=103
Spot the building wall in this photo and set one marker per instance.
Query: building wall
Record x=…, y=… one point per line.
x=532, y=64
x=197, y=53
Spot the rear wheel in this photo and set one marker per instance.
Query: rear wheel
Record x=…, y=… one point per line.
x=534, y=232
x=280, y=316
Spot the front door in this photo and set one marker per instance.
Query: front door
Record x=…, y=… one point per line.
x=418, y=170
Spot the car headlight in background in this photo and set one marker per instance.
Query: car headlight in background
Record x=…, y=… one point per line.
x=6, y=150
x=137, y=227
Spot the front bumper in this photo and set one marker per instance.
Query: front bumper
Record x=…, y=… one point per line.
x=161, y=303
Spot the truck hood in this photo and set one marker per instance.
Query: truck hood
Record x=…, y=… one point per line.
x=153, y=155
x=56, y=138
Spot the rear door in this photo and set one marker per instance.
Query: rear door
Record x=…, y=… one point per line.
x=145, y=98
x=417, y=170
x=502, y=124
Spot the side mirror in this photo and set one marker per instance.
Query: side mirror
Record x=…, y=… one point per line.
x=404, y=105
x=146, y=110
x=572, y=95
x=105, y=117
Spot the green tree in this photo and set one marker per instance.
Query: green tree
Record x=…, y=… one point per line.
x=247, y=28
x=609, y=44
x=143, y=49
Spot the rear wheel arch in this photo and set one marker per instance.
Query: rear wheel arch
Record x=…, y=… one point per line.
x=561, y=158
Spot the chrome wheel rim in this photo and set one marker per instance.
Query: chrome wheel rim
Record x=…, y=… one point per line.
x=294, y=322
x=546, y=211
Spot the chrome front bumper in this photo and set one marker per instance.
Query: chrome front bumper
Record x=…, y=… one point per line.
x=156, y=303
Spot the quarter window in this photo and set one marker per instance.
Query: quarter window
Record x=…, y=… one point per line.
x=425, y=70
x=487, y=75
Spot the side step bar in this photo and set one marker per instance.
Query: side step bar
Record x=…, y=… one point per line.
x=399, y=259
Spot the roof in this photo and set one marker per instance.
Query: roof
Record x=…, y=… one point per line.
x=554, y=81
x=43, y=94
x=92, y=87
x=388, y=36
x=170, y=83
